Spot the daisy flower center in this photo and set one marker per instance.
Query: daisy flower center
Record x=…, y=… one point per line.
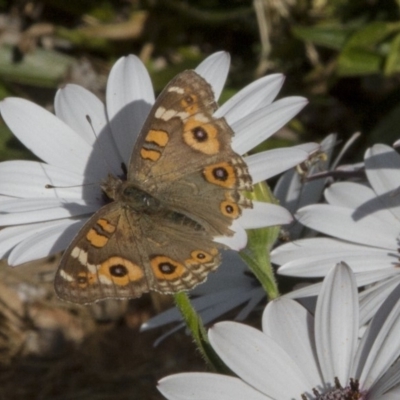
x=350, y=392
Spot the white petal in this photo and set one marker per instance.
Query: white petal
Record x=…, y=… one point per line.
x=201, y=386
x=320, y=247
x=129, y=99
x=382, y=165
x=11, y=236
x=293, y=193
x=28, y=179
x=336, y=324
x=214, y=69
x=291, y=325
x=362, y=200
x=236, y=242
x=394, y=394
x=74, y=105
x=348, y=194
x=340, y=222
x=45, y=242
x=379, y=346
x=269, y=163
x=372, y=298
x=263, y=215
x=258, y=360
x=318, y=266
x=362, y=279
x=46, y=136
x=262, y=123
x=25, y=211
x=310, y=147
x=388, y=384
x=256, y=95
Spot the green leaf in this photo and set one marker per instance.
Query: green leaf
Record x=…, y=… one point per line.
x=392, y=64
x=330, y=36
x=43, y=68
x=362, y=53
x=372, y=34
x=354, y=61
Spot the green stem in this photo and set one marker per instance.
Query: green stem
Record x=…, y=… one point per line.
x=199, y=334
x=259, y=244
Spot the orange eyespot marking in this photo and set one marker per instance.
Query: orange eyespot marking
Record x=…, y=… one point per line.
x=201, y=257
x=201, y=136
x=166, y=268
x=189, y=104
x=105, y=225
x=85, y=279
x=221, y=174
x=152, y=155
x=230, y=209
x=160, y=138
x=120, y=271
x=96, y=239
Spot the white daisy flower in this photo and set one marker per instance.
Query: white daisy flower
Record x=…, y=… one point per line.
x=365, y=225
x=304, y=185
x=301, y=357
x=85, y=141
x=293, y=190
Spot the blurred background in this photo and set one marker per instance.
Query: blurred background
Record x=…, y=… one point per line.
x=343, y=55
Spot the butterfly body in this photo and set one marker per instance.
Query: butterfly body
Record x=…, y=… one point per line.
x=184, y=187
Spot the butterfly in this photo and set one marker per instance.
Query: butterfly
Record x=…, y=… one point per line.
x=184, y=186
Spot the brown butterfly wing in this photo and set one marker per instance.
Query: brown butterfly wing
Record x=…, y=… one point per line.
x=122, y=254
x=184, y=156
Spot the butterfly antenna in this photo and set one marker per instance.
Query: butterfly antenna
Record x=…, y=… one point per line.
x=48, y=186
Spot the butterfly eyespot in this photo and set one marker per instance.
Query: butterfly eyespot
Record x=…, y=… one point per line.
x=166, y=268
x=200, y=134
x=230, y=209
x=118, y=271
x=189, y=99
x=202, y=257
x=220, y=173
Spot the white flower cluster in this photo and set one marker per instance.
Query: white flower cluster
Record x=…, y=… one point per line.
x=347, y=348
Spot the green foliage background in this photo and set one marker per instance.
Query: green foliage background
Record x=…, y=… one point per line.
x=342, y=55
